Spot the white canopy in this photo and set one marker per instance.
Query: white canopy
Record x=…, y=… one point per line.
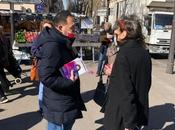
x=86, y=23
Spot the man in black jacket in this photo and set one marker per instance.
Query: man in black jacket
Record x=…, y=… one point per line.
x=62, y=102
x=4, y=83
x=7, y=61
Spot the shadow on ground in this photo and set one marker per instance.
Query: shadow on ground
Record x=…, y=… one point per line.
x=24, y=91
x=100, y=128
x=87, y=96
x=21, y=122
x=160, y=115
x=159, y=56
x=25, y=79
x=1, y=110
x=31, y=89
x=100, y=121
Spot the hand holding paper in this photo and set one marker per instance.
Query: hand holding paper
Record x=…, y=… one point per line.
x=72, y=76
x=77, y=66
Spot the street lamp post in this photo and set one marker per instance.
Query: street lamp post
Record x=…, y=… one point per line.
x=170, y=64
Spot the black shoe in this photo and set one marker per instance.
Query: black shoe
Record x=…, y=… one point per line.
x=3, y=100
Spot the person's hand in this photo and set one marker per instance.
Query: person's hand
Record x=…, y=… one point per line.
x=108, y=69
x=72, y=76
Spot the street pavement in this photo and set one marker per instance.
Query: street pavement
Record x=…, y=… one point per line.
x=21, y=112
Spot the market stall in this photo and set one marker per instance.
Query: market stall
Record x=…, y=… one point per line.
x=27, y=32
x=86, y=44
x=26, y=29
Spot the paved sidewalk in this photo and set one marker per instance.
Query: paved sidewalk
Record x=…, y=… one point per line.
x=21, y=112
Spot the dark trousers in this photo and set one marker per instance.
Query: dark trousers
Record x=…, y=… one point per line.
x=101, y=62
x=2, y=74
x=5, y=83
x=1, y=92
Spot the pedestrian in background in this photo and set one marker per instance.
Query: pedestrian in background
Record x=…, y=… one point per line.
x=34, y=49
x=130, y=79
x=62, y=102
x=4, y=51
x=106, y=40
x=112, y=48
x=8, y=62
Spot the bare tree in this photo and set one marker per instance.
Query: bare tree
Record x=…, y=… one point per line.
x=107, y=11
x=96, y=5
x=125, y=7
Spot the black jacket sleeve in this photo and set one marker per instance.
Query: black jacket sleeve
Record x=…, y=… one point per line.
x=48, y=68
x=127, y=91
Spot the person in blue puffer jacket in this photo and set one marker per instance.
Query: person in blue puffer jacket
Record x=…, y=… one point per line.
x=34, y=49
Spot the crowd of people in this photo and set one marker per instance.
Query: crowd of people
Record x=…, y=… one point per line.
x=127, y=65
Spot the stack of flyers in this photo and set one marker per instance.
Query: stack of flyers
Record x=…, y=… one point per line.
x=77, y=65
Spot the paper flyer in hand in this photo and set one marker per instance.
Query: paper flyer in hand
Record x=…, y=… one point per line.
x=77, y=65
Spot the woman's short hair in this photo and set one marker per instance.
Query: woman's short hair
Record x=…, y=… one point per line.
x=132, y=25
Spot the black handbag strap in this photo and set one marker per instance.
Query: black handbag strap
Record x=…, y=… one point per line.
x=101, y=78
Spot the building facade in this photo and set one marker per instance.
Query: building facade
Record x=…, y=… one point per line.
x=18, y=7
x=126, y=7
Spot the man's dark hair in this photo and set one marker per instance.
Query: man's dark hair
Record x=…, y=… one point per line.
x=61, y=17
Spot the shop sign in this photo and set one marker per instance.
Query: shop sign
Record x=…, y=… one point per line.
x=40, y=8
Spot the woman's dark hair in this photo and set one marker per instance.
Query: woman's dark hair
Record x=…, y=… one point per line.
x=132, y=25
x=44, y=22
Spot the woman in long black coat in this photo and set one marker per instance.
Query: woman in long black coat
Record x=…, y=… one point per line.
x=130, y=79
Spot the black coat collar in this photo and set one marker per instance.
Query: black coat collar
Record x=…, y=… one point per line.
x=131, y=43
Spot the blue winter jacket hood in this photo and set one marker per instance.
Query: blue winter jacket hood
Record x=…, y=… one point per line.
x=49, y=35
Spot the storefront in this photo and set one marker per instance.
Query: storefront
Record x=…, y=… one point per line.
x=26, y=29
x=27, y=26
x=17, y=15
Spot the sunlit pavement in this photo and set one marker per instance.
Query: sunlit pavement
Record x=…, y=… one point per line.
x=21, y=112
